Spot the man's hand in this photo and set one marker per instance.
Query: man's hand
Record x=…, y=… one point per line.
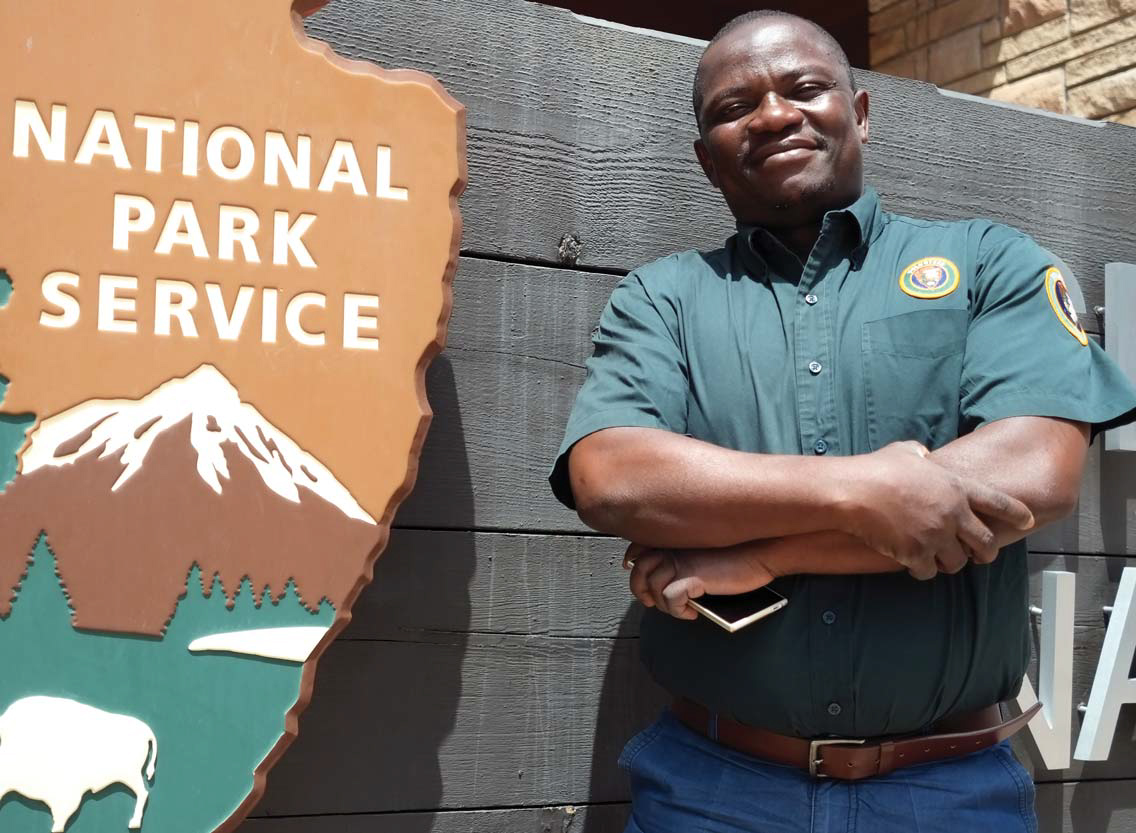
x=668, y=579
x=928, y=519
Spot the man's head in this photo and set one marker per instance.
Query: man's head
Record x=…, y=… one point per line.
x=781, y=124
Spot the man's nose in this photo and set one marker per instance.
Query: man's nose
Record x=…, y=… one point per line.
x=774, y=114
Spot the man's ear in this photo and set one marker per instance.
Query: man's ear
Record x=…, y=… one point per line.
x=705, y=161
x=861, y=104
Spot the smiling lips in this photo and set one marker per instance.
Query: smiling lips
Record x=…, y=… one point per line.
x=787, y=149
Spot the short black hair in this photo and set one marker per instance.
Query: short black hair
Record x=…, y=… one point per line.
x=830, y=43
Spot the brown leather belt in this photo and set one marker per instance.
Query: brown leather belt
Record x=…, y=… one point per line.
x=851, y=759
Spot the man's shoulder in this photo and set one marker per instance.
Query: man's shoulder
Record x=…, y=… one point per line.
x=981, y=231
x=692, y=262
x=681, y=271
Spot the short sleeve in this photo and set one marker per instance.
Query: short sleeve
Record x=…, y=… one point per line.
x=636, y=377
x=1026, y=353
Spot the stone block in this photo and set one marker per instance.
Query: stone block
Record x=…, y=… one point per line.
x=991, y=30
x=887, y=45
x=1085, y=14
x=1045, y=91
x=1103, y=62
x=1019, y=15
x=903, y=66
x=921, y=63
x=1025, y=42
x=980, y=83
x=956, y=56
x=1128, y=117
x=1102, y=36
x=916, y=32
x=1104, y=96
x=876, y=5
x=892, y=16
x=957, y=15
x=1035, y=62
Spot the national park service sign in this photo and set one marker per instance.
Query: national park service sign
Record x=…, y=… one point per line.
x=226, y=260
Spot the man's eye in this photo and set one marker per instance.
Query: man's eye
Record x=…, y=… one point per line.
x=732, y=111
x=808, y=91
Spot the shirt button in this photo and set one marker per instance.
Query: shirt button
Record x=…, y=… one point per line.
x=834, y=709
x=815, y=368
x=828, y=617
x=820, y=446
x=811, y=299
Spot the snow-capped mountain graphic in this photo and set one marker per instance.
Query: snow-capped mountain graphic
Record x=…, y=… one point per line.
x=133, y=493
x=127, y=429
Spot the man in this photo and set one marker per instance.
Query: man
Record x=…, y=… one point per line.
x=764, y=413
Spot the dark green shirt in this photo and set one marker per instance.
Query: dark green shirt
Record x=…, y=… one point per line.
x=894, y=329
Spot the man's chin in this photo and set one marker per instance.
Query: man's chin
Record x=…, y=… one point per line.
x=800, y=201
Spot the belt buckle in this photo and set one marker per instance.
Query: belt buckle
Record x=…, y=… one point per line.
x=814, y=748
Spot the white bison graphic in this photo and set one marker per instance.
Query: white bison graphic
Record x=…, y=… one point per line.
x=56, y=751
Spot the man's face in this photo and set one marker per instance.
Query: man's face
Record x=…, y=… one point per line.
x=782, y=129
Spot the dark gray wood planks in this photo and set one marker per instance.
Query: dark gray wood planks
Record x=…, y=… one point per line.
x=527, y=585
x=583, y=130
x=490, y=670
x=464, y=721
x=601, y=818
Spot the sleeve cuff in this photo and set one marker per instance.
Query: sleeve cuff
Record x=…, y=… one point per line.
x=1100, y=415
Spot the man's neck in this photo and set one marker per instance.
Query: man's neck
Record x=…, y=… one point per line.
x=799, y=239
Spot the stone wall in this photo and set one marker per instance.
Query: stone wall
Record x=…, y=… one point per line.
x=1067, y=56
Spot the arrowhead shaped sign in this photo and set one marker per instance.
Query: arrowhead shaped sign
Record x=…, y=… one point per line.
x=225, y=264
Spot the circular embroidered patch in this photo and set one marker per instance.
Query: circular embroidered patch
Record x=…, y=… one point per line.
x=1062, y=304
x=930, y=277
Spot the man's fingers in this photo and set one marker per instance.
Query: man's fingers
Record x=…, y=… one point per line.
x=951, y=558
x=995, y=504
x=678, y=593
x=633, y=552
x=663, y=574
x=978, y=538
x=645, y=564
x=922, y=568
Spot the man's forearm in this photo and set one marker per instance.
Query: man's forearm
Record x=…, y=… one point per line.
x=822, y=553
x=665, y=489
x=1037, y=460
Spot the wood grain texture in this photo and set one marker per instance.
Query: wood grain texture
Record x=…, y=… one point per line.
x=519, y=337
x=497, y=670
x=465, y=721
x=601, y=818
x=557, y=586
x=583, y=130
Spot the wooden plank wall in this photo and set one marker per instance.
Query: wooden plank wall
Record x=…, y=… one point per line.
x=490, y=676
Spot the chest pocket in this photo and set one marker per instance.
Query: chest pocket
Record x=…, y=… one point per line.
x=912, y=376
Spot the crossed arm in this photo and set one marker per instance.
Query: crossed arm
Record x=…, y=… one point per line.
x=705, y=519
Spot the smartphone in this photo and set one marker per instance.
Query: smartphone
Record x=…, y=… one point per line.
x=735, y=612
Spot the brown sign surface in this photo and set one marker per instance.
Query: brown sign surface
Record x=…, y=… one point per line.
x=229, y=256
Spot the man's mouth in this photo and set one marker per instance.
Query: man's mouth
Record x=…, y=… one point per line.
x=784, y=151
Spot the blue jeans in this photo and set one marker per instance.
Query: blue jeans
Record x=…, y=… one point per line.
x=682, y=782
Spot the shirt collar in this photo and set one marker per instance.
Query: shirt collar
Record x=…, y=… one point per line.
x=862, y=217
